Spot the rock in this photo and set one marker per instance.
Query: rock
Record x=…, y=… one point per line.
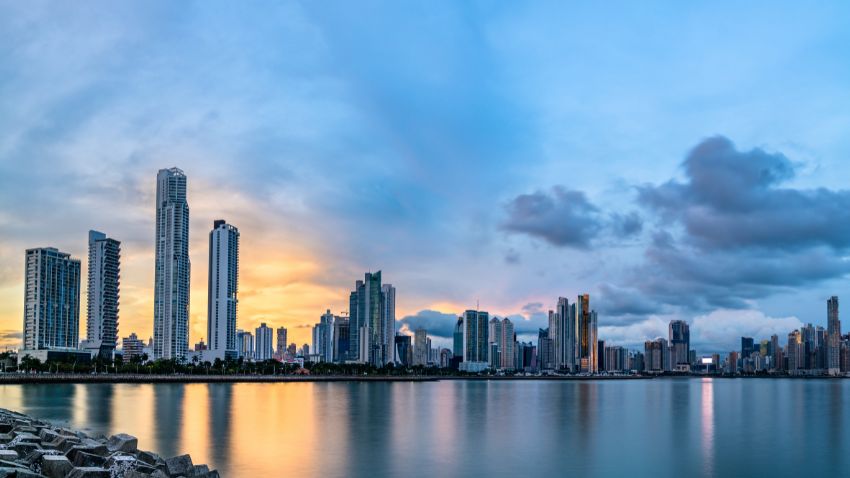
x=122, y=442
x=178, y=465
x=6, y=438
x=199, y=470
x=47, y=434
x=8, y=455
x=149, y=457
x=5, y=427
x=55, y=466
x=24, y=449
x=88, y=460
x=99, y=450
x=88, y=472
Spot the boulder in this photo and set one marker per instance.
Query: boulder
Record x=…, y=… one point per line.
x=179, y=465
x=122, y=442
x=8, y=455
x=99, y=450
x=55, y=466
x=83, y=459
x=88, y=472
x=47, y=434
x=24, y=449
x=150, y=458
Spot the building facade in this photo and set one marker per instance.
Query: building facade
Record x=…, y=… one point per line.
x=264, y=349
x=103, y=293
x=51, y=300
x=222, y=290
x=172, y=267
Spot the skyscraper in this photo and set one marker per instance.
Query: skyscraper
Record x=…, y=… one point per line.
x=566, y=335
x=341, y=338
x=172, y=269
x=388, y=320
x=494, y=342
x=323, y=337
x=280, y=350
x=833, y=336
x=746, y=347
x=421, y=349
x=222, y=290
x=457, y=345
x=245, y=344
x=367, y=322
x=263, y=350
x=475, y=336
x=51, y=300
x=404, y=351
x=586, y=336
x=103, y=293
x=680, y=342
x=506, y=346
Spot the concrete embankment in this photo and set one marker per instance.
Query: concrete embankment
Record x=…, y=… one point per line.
x=20, y=378
x=32, y=448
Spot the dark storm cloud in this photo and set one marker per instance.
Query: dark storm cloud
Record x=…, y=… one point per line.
x=730, y=233
x=625, y=225
x=560, y=217
x=733, y=199
x=625, y=305
x=437, y=324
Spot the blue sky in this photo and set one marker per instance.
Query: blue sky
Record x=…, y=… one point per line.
x=673, y=159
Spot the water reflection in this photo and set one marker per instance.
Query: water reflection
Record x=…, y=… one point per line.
x=707, y=422
x=652, y=428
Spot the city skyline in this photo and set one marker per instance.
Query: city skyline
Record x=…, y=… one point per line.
x=468, y=190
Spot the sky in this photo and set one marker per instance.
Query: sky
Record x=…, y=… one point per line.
x=675, y=160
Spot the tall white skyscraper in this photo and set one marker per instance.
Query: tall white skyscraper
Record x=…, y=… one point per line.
x=51, y=300
x=171, y=275
x=265, y=343
x=506, y=345
x=103, y=293
x=222, y=291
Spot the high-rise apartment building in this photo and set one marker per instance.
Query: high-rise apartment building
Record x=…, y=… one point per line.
x=264, y=349
x=245, y=345
x=132, y=347
x=103, y=293
x=566, y=340
x=223, y=286
x=494, y=342
x=172, y=268
x=51, y=300
x=342, y=333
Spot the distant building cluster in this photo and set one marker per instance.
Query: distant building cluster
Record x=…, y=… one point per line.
x=366, y=333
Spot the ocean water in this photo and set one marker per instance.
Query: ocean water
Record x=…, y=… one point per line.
x=640, y=428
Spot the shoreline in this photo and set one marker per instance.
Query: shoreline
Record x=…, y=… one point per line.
x=21, y=379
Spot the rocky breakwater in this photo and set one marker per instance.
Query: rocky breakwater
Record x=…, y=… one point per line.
x=33, y=448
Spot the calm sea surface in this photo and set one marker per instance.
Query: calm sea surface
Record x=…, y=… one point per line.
x=652, y=428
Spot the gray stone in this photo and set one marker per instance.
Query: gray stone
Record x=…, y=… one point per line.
x=149, y=457
x=24, y=449
x=122, y=442
x=198, y=470
x=47, y=434
x=88, y=472
x=88, y=460
x=10, y=455
x=6, y=438
x=178, y=465
x=99, y=450
x=55, y=466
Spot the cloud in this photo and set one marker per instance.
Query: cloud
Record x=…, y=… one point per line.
x=729, y=233
x=560, y=217
x=732, y=199
x=625, y=304
x=435, y=323
x=721, y=330
x=625, y=225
